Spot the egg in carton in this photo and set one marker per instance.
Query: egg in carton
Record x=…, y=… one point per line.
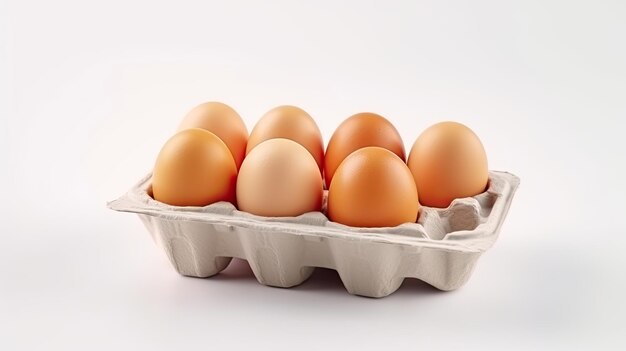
x=441, y=249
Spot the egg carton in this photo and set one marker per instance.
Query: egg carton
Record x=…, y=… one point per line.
x=441, y=249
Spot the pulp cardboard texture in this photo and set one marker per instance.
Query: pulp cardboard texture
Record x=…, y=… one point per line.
x=441, y=249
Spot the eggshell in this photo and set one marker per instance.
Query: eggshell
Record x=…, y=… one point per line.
x=360, y=130
x=194, y=168
x=279, y=178
x=223, y=121
x=289, y=122
x=448, y=161
x=373, y=188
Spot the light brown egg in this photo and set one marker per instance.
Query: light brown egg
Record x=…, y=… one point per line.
x=221, y=120
x=289, y=122
x=361, y=130
x=279, y=178
x=194, y=168
x=373, y=187
x=448, y=161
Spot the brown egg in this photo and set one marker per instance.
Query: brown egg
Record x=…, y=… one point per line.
x=221, y=120
x=279, y=178
x=448, y=161
x=361, y=130
x=373, y=187
x=289, y=122
x=194, y=168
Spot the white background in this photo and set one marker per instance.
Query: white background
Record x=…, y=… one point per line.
x=89, y=92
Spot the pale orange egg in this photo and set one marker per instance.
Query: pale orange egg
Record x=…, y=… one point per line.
x=289, y=122
x=448, y=161
x=279, y=178
x=194, y=168
x=361, y=130
x=221, y=120
x=373, y=187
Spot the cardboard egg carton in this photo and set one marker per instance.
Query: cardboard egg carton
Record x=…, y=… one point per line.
x=441, y=249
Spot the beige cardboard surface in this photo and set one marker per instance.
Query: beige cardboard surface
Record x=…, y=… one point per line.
x=441, y=248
